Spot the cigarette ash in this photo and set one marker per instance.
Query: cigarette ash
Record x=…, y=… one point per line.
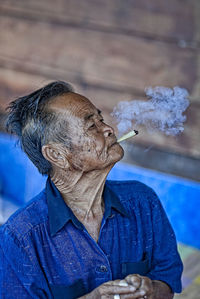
x=162, y=111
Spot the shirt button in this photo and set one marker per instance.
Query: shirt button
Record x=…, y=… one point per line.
x=102, y=268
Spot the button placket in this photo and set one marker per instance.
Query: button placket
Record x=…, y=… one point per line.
x=102, y=268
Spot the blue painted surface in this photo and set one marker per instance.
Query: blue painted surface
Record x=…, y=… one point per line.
x=20, y=181
x=180, y=198
x=19, y=178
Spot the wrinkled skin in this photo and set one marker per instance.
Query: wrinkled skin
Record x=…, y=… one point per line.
x=79, y=172
x=94, y=142
x=138, y=287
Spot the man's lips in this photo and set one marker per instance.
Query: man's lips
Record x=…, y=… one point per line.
x=113, y=142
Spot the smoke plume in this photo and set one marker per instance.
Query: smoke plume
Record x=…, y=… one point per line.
x=162, y=111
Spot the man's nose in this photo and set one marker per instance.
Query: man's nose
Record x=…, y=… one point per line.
x=107, y=130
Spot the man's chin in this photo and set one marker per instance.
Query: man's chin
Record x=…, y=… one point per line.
x=116, y=154
x=117, y=151
x=113, y=158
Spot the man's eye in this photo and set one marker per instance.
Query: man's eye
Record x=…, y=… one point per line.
x=92, y=126
x=102, y=120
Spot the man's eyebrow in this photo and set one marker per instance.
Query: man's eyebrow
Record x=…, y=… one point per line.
x=87, y=117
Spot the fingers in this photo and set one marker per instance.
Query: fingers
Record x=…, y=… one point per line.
x=114, y=287
x=133, y=286
x=134, y=279
x=144, y=286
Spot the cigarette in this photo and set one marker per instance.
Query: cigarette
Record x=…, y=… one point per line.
x=121, y=283
x=128, y=135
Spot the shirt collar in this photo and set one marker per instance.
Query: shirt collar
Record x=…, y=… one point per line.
x=112, y=201
x=60, y=213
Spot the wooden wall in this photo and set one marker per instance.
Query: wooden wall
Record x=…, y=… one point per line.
x=110, y=50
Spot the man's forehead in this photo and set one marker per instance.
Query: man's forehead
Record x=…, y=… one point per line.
x=73, y=103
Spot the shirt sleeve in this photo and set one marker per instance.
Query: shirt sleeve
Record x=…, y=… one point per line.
x=166, y=263
x=20, y=276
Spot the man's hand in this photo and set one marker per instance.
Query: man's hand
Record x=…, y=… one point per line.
x=108, y=289
x=137, y=288
x=143, y=286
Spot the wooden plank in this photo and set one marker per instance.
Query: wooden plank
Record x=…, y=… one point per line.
x=171, y=19
x=196, y=88
x=185, y=252
x=192, y=265
x=14, y=84
x=190, y=273
x=108, y=60
x=192, y=292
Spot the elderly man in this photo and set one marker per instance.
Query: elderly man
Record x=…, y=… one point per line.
x=82, y=236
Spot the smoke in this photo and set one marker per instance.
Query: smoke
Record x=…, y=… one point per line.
x=162, y=111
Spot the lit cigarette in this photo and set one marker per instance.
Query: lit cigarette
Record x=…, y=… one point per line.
x=121, y=283
x=128, y=135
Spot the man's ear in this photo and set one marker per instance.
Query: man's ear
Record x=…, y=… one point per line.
x=56, y=155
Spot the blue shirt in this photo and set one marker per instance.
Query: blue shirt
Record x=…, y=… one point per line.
x=46, y=252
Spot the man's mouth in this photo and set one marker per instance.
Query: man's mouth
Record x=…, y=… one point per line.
x=114, y=142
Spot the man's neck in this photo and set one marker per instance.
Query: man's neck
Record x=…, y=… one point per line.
x=82, y=192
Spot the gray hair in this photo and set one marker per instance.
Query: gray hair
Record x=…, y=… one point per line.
x=34, y=124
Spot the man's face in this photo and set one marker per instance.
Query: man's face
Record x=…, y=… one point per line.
x=94, y=143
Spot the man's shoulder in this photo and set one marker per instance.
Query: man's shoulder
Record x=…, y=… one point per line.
x=133, y=192
x=34, y=213
x=130, y=188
